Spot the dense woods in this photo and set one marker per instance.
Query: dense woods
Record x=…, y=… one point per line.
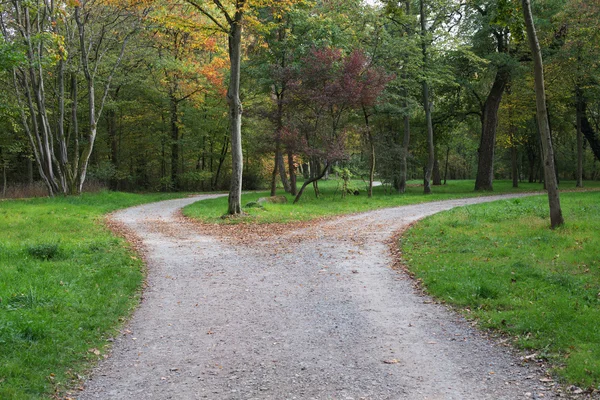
x=190, y=95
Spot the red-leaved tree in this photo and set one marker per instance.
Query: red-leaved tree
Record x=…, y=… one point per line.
x=327, y=88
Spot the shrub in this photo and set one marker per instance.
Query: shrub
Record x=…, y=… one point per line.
x=43, y=251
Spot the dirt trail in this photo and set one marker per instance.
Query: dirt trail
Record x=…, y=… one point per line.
x=314, y=314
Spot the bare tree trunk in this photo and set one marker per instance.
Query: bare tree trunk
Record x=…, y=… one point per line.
x=235, y=114
x=94, y=112
x=426, y=105
x=556, y=218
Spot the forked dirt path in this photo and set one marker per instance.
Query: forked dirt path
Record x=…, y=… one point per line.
x=314, y=314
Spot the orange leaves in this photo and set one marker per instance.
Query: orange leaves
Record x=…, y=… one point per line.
x=215, y=74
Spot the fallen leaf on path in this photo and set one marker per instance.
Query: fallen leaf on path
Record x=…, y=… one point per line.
x=394, y=361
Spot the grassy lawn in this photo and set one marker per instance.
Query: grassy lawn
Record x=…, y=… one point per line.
x=331, y=202
x=501, y=264
x=66, y=283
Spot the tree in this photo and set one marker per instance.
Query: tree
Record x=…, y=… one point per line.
x=556, y=218
x=490, y=26
x=230, y=22
x=61, y=42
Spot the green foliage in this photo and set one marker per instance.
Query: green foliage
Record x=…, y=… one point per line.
x=501, y=264
x=43, y=251
x=66, y=283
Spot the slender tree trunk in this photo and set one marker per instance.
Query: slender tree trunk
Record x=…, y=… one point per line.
x=556, y=218
x=579, y=115
x=437, y=176
x=29, y=171
x=514, y=167
x=404, y=151
x=292, y=172
x=224, y=150
x=371, y=153
x=446, y=167
x=235, y=114
x=111, y=117
x=426, y=105
x=174, y=123
x=282, y=175
x=4, y=179
x=309, y=181
x=406, y=133
x=275, y=169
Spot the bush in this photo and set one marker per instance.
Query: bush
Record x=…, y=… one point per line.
x=44, y=251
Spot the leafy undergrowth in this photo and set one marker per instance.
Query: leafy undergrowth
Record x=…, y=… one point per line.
x=502, y=264
x=66, y=283
x=331, y=203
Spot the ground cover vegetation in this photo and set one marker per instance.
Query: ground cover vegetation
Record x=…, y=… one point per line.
x=500, y=265
x=331, y=201
x=66, y=283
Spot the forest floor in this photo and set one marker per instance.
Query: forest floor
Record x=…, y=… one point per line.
x=312, y=312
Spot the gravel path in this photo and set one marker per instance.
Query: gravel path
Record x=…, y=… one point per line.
x=313, y=314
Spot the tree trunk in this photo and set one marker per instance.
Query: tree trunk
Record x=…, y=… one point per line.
x=235, y=114
x=489, y=125
x=404, y=152
x=556, y=218
x=371, y=154
x=224, y=150
x=282, y=175
x=29, y=171
x=426, y=105
x=275, y=168
x=406, y=133
x=309, y=181
x=174, y=123
x=111, y=121
x=292, y=172
x=437, y=176
x=579, y=116
x=446, y=167
x=514, y=167
x=588, y=131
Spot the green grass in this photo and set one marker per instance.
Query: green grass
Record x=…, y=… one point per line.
x=502, y=264
x=331, y=202
x=66, y=283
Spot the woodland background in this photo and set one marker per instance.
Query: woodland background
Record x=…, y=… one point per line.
x=133, y=95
